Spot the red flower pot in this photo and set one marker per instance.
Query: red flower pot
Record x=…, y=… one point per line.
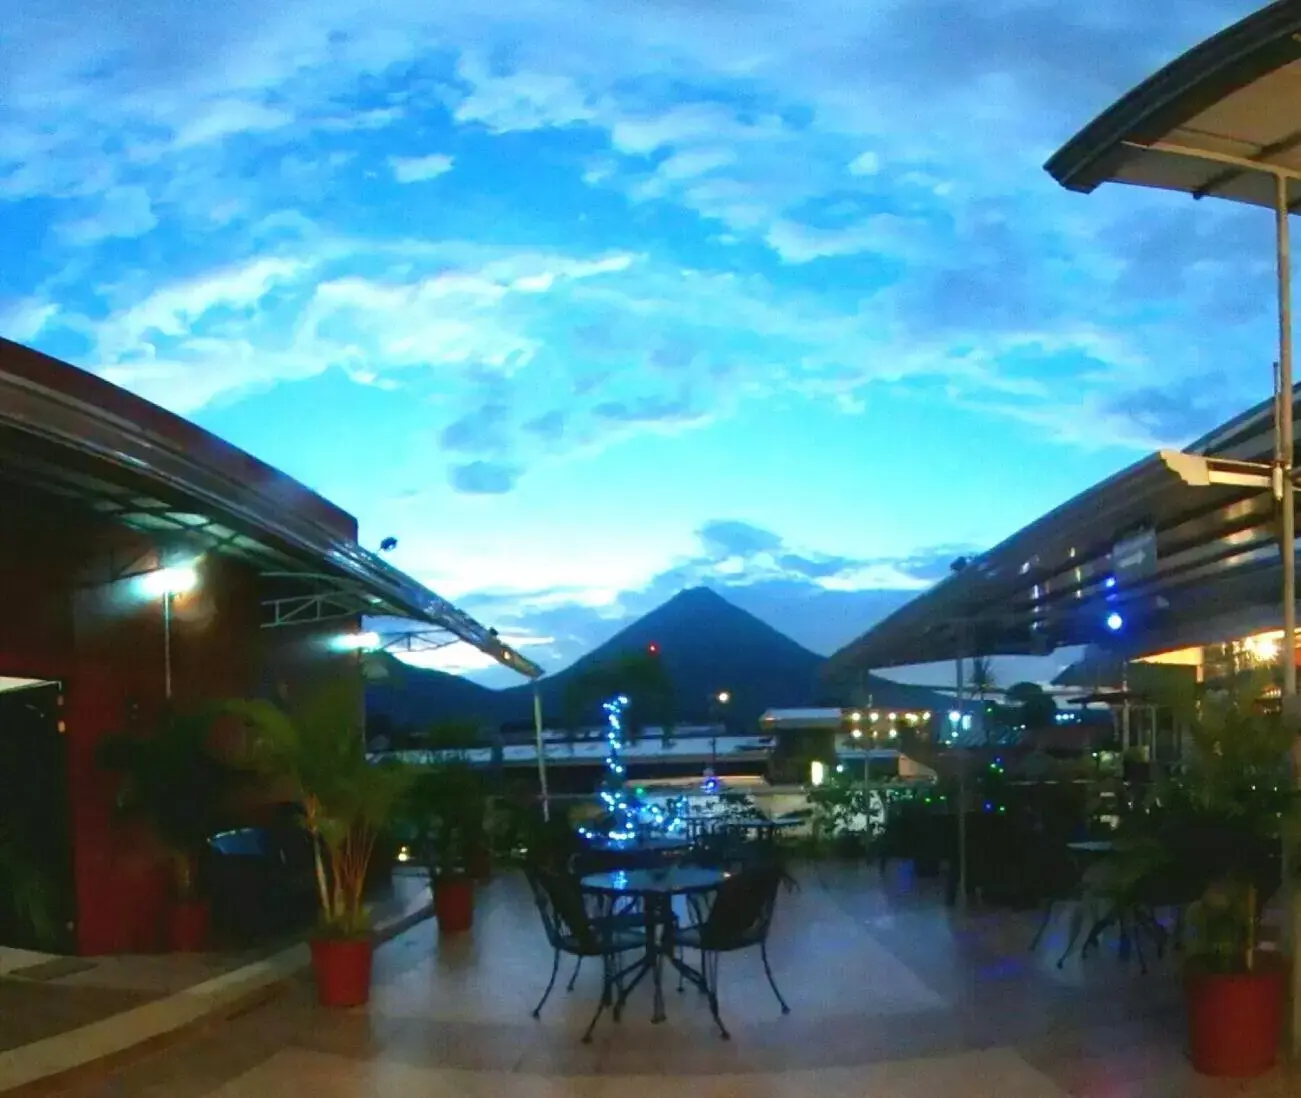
x=342, y=967
x=187, y=926
x=454, y=904
x=1235, y=1019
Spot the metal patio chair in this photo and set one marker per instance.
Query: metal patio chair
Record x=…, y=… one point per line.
x=576, y=931
x=740, y=917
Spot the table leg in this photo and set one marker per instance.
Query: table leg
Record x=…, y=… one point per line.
x=654, y=927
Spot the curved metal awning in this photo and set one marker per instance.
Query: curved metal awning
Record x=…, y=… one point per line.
x=68, y=433
x=1215, y=571
x=1223, y=120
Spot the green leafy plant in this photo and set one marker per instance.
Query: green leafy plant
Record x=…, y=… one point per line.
x=172, y=780
x=446, y=806
x=1236, y=794
x=318, y=750
x=1215, y=830
x=838, y=804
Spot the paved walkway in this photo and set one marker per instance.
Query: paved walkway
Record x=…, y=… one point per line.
x=891, y=998
x=60, y=1013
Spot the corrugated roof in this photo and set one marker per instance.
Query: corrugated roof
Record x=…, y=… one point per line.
x=1216, y=573
x=1207, y=121
x=67, y=432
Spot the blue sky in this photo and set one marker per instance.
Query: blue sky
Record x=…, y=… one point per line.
x=585, y=302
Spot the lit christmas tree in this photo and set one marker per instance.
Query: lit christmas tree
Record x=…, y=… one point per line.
x=628, y=816
x=623, y=812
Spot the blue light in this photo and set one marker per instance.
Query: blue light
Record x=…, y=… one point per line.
x=1115, y=622
x=1109, y=582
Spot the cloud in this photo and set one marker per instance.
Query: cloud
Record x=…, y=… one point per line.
x=724, y=538
x=22, y=321
x=124, y=212
x=478, y=432
x=755, y=126
x=797, y=243
x=483, y=478
x=228, y=118
x=865, y=163
x=418, y=169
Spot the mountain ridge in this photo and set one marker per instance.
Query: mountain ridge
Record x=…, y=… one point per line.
x=707, y=644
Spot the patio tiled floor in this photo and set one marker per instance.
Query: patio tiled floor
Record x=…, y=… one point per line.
x=891, y=996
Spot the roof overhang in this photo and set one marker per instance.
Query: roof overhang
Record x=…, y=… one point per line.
x=1215, y=573
x=1223, y=120
x=67, y=433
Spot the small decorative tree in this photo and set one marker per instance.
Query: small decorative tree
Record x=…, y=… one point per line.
x=623, y=809
x=632, y=690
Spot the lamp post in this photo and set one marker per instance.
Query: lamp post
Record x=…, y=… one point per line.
x=718, y=709
x=167, y=583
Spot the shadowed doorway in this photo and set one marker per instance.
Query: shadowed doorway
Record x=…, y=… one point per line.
x=35, y=820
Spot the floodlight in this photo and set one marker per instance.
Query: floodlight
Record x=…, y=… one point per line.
x=175, y=580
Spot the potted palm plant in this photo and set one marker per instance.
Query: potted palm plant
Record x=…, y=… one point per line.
x=447, y=806
x=173, y=782
x=318, y=751
x=1226, y=825
x=1212, y=834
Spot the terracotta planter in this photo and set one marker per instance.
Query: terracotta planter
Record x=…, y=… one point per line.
x=1235, y=1019
x=342, y=967
x=454, y=905
x=187, y=926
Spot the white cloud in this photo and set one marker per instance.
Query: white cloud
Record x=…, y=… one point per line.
x=797, y=243
x=226, y=118
x=695, y=162
x=866, y=163
x=23, y=321
x=124, y=212
x=174, y=310
x=417, y=169
x=521, y=100
x=642, y=134
x=377, y=119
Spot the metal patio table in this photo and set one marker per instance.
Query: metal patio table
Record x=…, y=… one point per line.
x=656, y=889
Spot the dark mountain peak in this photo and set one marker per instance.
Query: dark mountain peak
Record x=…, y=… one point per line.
x=707, y=644
x=700, y=598
x=701, y=611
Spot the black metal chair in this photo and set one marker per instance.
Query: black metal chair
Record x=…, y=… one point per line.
x=739, y=918
x=574, y=930
x=1058, y=877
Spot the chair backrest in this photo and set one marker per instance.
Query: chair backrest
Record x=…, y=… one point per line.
x=559, y=900
x=742, y=910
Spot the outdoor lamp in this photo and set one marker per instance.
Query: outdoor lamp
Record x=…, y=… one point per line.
x=170, y=581
x=167, y=583
x=358, y=642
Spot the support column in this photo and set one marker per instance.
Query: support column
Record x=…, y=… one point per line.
x=1286, y=446
x=1284, y=492
x=542, y=757
x=962, y=800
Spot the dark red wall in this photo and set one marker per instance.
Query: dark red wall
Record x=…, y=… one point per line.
x=64, y=620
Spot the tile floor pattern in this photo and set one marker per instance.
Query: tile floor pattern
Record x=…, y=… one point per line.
x=891, y=996
x=43, y=995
